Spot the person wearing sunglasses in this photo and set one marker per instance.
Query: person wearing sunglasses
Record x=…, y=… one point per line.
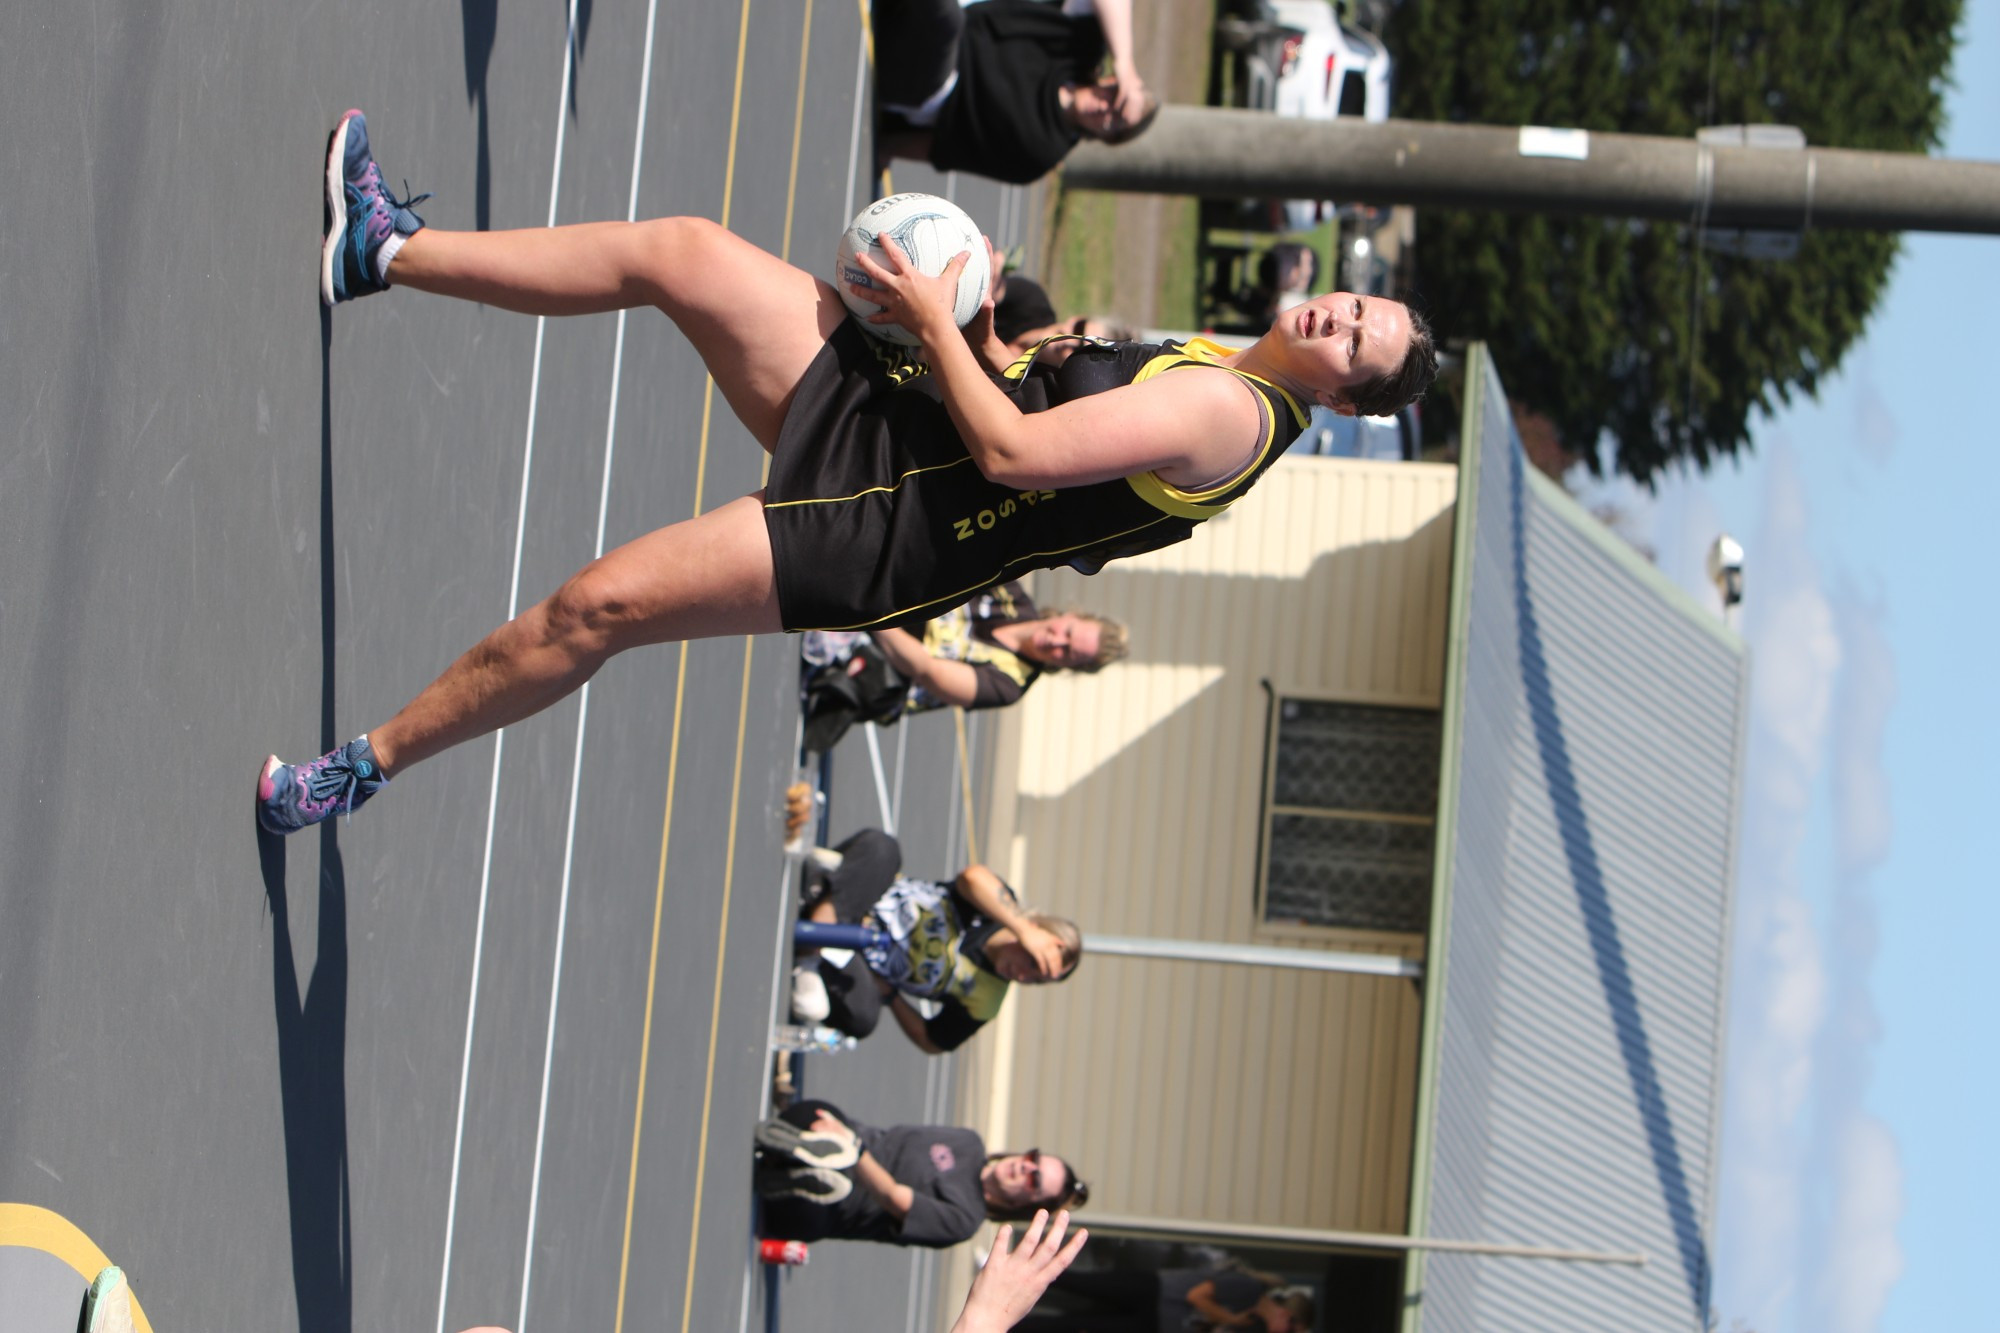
x=824, y=1175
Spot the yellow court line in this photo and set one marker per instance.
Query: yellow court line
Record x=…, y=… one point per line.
x=33, y=1228
x=722, y=937
x=965, y=784
x=667, y=816
x=798, y=128
x=652, y=976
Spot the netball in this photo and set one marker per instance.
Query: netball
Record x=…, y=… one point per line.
x=931, y=232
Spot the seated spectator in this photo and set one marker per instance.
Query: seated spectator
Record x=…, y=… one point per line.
x=1024, y=317
x=1004, y=88
x=826, y=1176
x=1168, y=1301
x=960, y=944
x=984, y=654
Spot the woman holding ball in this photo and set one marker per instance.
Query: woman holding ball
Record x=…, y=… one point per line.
x=898, y=487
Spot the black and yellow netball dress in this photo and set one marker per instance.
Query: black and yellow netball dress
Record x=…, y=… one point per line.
x=878, y=516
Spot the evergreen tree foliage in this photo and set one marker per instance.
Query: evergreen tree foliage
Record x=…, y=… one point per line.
x=1628, y=328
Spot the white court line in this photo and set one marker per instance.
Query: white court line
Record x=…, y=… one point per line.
x=583, y=706
x=923, y=1267
x=881, y=782
x=902, y=753
x=780, y=987
x=500, y=737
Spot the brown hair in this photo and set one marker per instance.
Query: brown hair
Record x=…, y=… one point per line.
x=1077, y=1196
x=1391, y=392
x=1125, y=131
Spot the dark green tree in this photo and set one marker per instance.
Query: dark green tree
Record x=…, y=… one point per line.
x=1628, y=328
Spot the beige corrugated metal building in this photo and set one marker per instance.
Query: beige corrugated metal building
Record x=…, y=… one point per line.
x=1133, y=801
x=1436, y=712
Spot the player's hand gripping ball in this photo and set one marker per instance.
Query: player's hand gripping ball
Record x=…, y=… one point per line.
x=932, y=232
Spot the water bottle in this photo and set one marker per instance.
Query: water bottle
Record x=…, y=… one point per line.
x=818, y=1038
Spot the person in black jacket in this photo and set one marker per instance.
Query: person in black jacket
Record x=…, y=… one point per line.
x=1005, y=88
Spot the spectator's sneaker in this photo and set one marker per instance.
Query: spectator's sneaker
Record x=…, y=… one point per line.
x=810, y=1002
x=782, y=1140
x=361, y=217
x=291, y=796
x=107, y=1306
x=814, y=1184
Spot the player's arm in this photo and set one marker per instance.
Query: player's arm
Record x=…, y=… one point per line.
x=988, y=896
x=895, y=1197
x=1201, y=1298
x=1189, y=428
x=953, y=682
x=912, y=1023
x=1115, y=17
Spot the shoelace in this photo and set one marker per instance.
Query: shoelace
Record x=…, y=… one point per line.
x=334, y=779
x=382, y=220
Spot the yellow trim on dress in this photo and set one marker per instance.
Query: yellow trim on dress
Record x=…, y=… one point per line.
x=872, y=490
x=1206, y=504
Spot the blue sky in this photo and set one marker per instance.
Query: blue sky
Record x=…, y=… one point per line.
x=1860, y=1167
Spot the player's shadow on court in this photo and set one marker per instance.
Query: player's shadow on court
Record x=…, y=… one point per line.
x=312, y=1028
x=478, y=21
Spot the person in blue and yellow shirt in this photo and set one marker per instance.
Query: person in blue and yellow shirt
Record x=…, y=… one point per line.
x=959, y=944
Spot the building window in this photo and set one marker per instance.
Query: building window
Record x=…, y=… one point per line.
x=1350, y=806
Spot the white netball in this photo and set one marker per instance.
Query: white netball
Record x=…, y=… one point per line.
x=931, y=231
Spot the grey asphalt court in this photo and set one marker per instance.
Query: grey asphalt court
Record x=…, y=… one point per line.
x=491, y=1053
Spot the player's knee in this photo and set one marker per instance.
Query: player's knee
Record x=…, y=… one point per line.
x=685, y=249
x=587, y=615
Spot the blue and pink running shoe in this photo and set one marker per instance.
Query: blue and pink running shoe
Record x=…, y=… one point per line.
x=292, y=796
x=361, y=216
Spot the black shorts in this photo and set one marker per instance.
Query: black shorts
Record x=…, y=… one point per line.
x=870, y=487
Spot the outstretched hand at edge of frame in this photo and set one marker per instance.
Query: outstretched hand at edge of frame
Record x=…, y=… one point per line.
x=1012, y=1281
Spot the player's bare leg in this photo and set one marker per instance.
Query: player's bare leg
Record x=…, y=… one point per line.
x=709, y=576
x=756, y=321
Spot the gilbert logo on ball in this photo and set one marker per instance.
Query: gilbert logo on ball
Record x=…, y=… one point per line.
x=931, y=231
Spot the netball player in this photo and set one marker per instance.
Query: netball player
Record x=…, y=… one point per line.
x=898, y=487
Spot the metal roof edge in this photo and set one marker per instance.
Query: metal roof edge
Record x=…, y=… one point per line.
x=1723, y=974
x=1478, y=371
x=1562, y=505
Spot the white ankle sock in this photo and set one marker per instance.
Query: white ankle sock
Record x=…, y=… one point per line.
x=387, y=253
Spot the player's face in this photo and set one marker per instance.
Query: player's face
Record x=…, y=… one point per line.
x=1342, y=340
x=1064, y=641
x=1030, y=1179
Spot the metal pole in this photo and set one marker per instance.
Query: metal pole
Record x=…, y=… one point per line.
x=1230, y=153
x=1367, y=1240
x=1257, y=955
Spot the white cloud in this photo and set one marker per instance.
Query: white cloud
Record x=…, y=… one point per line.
x=1812, y=1186
x=1863, y=1259
x=1867, y=696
